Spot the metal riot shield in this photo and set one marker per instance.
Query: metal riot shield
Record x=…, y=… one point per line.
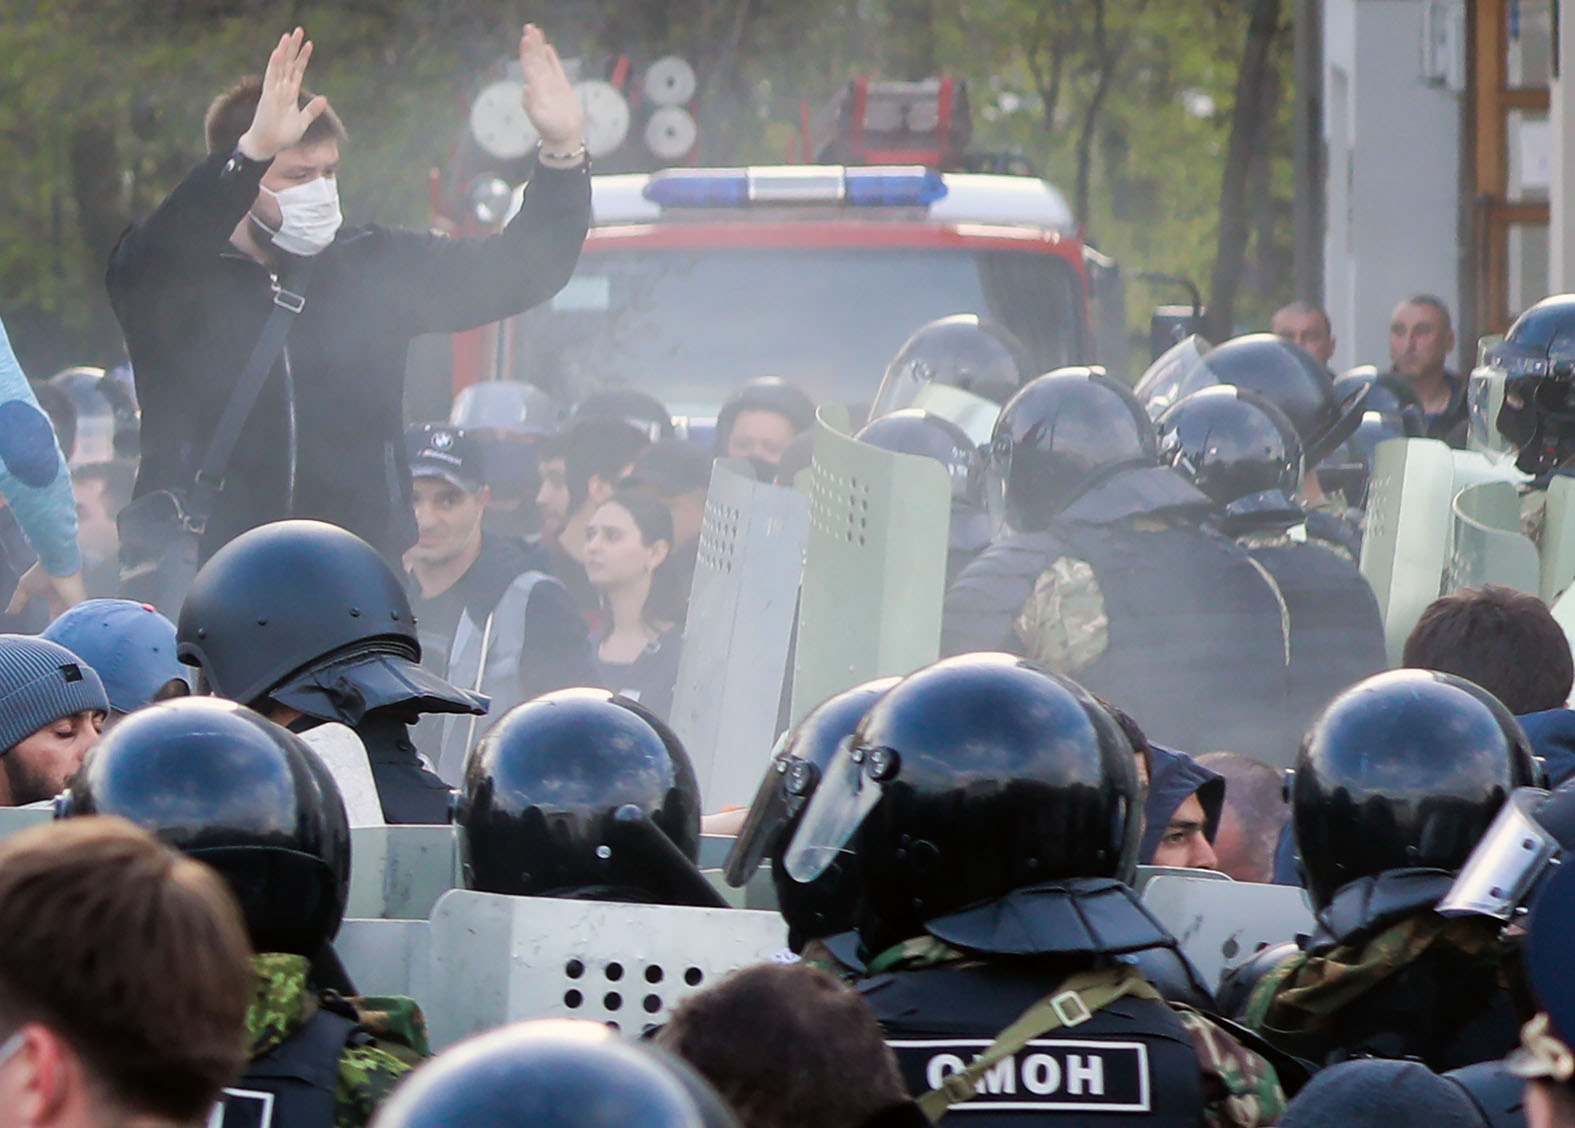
x=740, y=625
x=1558, y=540
x=399, y=872
x=1221, y=924
x=14, y=819
x=386, y=957
x=874, y=568
x=1489, y=547
x=1405, y=548
x=496, y=959
x=342, y=752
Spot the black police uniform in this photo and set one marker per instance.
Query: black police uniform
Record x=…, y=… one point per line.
x=1197, y=651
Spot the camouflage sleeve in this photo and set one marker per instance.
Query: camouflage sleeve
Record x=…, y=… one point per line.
x=1240, y=1088
x=1063, y=624
x=367, y=1075
x=397, y=1023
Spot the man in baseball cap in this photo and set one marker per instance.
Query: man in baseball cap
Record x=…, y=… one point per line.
x=489, y=616
x=130, y=646
x=52, y=708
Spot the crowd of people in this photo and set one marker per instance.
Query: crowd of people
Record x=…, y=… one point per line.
x=1152, y=606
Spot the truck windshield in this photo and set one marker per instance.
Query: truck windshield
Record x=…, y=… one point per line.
x=690, y=326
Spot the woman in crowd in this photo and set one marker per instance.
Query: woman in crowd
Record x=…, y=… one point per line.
x=628, y=542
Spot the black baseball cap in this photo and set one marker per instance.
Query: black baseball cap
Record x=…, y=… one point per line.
x=437, y=450
x=672, y=467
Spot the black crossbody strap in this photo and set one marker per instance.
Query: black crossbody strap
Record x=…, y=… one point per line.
x=289, y=298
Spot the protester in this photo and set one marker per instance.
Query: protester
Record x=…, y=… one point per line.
x=1421, y=338
x=813, y=1054
x=193, y=283
x=1181, y=812
x=487, y=613
x=627, y=545
x=761, y=419
x=1307, y=325
x=1509, y=643
x=281, y=841
x=1253, y=817
x=36, y=497
x=123, y=981
x=102, y=490
x=679, y=473
x=581, y=468
x=130, y=646
x=52, y=709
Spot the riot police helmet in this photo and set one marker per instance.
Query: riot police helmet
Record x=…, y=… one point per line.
x=824, y=906
x=308, y=615
x=1280, y=371
x=974, y=777
x=554, y=1073
x=1535, y=363
x=580, y=793
x=1239, y=449
x=1392, y=410
x=923, y=433
x=1063, y=434
x=964, y=352
x=232, y=789
x=508, y=407
x=1406, y=769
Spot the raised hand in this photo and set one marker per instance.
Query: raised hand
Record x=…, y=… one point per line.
x=280, y=120
x=549, y=98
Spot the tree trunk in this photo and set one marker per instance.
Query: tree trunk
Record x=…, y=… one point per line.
x=1247, y=120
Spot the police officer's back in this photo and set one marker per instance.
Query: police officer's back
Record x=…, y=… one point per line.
x=1397, y=781
x=582, y=794
x=992, y=808
x=1105, y=573
x=250, y=799
x=306, y=623
x=1242, y=451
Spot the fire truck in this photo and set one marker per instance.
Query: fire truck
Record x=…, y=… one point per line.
x=693, y=280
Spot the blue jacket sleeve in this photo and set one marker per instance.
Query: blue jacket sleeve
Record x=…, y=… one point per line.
x=33, y=477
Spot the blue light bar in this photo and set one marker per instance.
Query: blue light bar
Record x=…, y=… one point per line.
x=875, y=187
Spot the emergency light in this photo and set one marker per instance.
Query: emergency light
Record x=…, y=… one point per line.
x=888, y=186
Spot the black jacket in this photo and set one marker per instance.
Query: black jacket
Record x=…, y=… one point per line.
x=192, y=306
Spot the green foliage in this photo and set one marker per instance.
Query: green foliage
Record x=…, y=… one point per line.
x=1124, y=104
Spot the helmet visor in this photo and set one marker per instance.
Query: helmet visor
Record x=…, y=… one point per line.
x=769, y=812
x=842, y=802
x=1177, y=372
x=1484, y=399
x=1500, y=874
x=973, y=413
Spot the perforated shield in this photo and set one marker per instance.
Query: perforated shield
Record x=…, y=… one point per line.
x=738, y=632
x=1489, y=547
x=1405, y=548
x=496, y=959
x=875, y=566
x=1221, y=924
x=400, y=871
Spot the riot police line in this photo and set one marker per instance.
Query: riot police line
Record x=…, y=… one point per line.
x=961, y=840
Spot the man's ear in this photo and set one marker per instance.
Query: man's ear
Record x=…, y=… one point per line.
x=49, y=1071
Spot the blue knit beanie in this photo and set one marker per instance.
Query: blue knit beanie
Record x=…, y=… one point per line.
x=40, y=682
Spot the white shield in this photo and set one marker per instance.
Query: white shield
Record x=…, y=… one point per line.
x=1221, y=924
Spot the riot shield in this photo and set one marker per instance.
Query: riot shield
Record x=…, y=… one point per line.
x=974, y=414
x=1489, y=547
x=496, y=959
x=341, y=750
x=385, y=957
x=1221, y=924
x=1558, y=540
x=874, y=568
x=1405, y=548
x=740, y=624
x=399, y=872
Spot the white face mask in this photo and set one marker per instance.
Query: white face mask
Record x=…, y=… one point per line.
x=310, y=214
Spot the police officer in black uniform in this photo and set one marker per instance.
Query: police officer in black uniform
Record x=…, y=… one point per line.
x=1398, y=780
x=1106, y=573
x=307, y=624
x=556, y=1073
x=582, y=794
x=914, y=431
x=819, y=913
x=993, y=809
x=1241, y=451
x=233, y=790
